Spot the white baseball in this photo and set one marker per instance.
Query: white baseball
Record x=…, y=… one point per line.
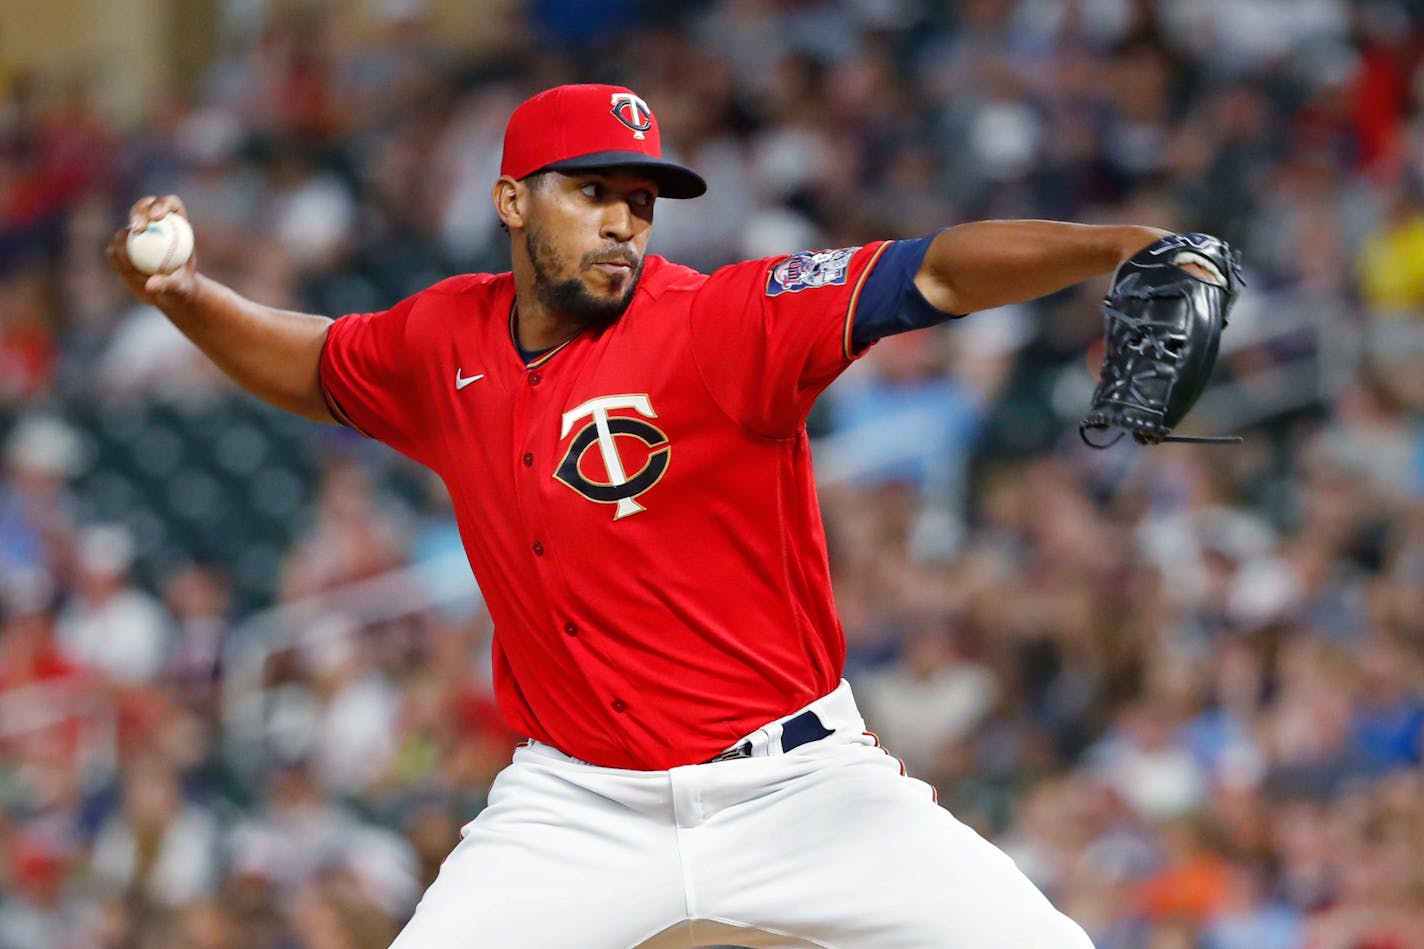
x=163, y=246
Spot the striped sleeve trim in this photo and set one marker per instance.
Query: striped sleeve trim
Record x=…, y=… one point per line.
x=849, y=328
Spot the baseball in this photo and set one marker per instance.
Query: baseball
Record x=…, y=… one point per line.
x=163, y=246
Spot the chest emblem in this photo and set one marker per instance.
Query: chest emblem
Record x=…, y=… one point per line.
x=623, y=442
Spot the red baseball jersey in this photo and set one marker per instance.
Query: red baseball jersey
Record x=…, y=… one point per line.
x=637, y=504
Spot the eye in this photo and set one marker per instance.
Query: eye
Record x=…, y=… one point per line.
x=592, y=190
x=641, y=199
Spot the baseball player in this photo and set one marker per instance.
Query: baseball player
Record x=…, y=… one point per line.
x=624, y=442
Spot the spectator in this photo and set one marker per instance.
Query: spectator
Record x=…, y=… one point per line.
x=112, y=626
x=41, y=909
x=159, y=850
x=930, y=700
x=1251, y=918
x=36, y=508
x=198, y=598
x=355, y=732
x=1388, y=723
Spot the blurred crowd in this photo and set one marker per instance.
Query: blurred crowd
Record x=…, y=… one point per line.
x=1183, y=687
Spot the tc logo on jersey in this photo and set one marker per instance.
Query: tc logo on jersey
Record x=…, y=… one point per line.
x=579, y=472
x=823, y=268
x=632, y=112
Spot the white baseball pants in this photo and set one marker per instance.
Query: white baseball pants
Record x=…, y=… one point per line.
x=828, y=845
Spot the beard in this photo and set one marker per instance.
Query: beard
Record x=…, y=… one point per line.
x=570, y=296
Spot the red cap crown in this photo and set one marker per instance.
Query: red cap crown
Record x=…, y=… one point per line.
x=592, y=126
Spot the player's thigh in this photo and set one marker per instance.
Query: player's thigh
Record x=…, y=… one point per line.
x=549, y=865
x=865, y=859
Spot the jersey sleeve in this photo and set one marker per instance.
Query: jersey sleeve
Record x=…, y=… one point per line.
x=769, y=335
x=890, y=302
x=369, y=381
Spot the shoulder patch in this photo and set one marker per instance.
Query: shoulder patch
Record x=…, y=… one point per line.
x=822, y=268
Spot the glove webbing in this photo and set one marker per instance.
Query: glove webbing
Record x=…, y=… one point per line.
x=1124, y=388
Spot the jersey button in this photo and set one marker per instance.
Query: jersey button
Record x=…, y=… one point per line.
x=619, y=705
x=535, y=378
x=571, y=629
x=528, y=459
x=538, y=549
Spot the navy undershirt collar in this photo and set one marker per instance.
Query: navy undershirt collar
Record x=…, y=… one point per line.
x=528, y=355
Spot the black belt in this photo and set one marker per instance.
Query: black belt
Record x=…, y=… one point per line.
x=795, y=732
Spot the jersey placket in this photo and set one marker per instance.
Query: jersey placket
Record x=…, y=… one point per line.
x=538, y=401
x=533, y=396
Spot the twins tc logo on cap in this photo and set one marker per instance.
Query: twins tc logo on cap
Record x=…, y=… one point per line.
x=567, y=129
x=632, y=112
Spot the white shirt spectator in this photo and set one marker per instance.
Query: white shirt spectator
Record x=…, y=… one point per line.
x=124, y=637
x=120, y=631
x=184, y=869
x=356, y=735
x=918, y=712
x=1155, y=774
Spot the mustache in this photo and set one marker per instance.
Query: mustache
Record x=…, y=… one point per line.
x=613, y=255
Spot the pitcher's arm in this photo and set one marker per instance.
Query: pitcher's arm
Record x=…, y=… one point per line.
x=272, y=353
x=986, y=264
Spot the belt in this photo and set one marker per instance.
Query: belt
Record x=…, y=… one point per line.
x=795, y=731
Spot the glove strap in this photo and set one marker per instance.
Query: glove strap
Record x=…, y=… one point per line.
x=1083, y=434
x=1205, y=439
x=1191, y=439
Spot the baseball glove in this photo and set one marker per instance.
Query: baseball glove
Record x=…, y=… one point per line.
x=1163, y=329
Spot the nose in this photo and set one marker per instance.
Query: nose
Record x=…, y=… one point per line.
x=618, y=222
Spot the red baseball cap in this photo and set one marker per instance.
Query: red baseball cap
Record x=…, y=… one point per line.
x=592, y=126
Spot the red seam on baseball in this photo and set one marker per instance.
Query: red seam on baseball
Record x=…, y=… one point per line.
x=172, y=249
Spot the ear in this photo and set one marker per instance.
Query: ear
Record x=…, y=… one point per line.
x=510, y=201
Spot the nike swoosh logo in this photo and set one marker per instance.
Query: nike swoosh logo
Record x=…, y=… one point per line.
x=461, y=383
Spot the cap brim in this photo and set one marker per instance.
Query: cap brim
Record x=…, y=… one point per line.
x=674, y=180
